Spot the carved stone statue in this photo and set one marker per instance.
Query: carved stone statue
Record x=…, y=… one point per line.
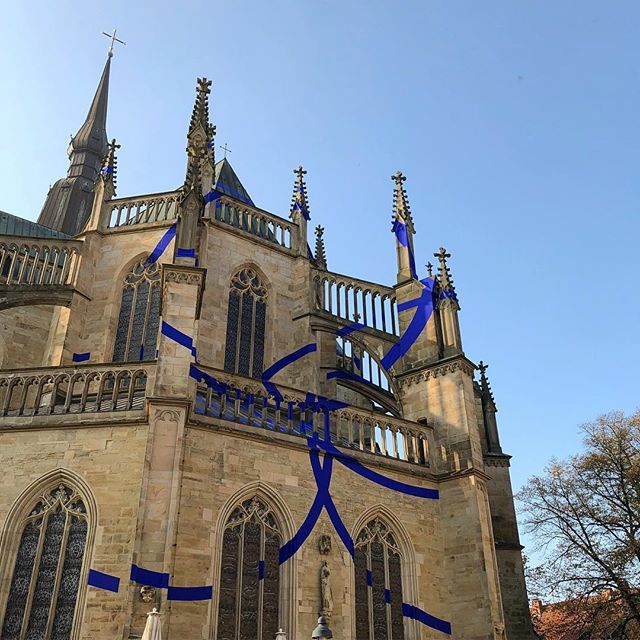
x=324, y=543
x=147, y=594
x=325, y=588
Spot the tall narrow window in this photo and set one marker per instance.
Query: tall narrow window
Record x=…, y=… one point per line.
x=250, y=574
x=378, y=573
x=47, y=568
x=139, y=319
x=244, y=349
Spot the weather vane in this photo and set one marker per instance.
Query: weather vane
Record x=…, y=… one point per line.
x=112, y=37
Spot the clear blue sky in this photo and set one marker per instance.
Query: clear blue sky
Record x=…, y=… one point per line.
x=516, y=123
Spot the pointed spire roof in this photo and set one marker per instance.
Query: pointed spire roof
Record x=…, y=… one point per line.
x=485, y=386
x=92, y=135
x=227, y=182
x=401, y=210
x=300, y=201
x=445, y=279
x=320, y=255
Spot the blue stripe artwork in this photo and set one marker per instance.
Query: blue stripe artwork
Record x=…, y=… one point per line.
x=281, y=364
x=400, y=230
x=185, y=253
x=190, y=593
x=80, y=357
x=178, y=336
x=149, y=578
x=104, y=581
x=415, y=613
x=162, y=245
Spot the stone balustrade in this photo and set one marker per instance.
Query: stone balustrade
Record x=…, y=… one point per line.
x=86, y=388
x=255, y=221
x=35, y=262
x=245, y=401
x=156, y=207
x=344, y=297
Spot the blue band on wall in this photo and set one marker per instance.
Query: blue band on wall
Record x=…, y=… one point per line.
x=103, y=581
x=400, y=230
x=356, y=326
x=369, y=578
x=164, y=242
x=177, y=336
x=387, y=596
x=213, y=195
x=80, y=357
x=186, y=253
x=106, y=170
x=261, y=570
x=299, y=207
x=190, y=593
x=281, y=364
x=346, y=375
x=149, y=578
x=208, y=380
x=415, y=613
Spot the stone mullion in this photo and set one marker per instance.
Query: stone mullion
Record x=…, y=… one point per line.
x=387, y=586
x=59, y=568
x=134, y=302
x=239, y=581
x=34, y=575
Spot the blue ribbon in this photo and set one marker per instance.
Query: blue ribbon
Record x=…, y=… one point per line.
x=323, y=499
x=209, y=381
x=300, y=207
x=177, y=336
x=356, y=326
x=149, y=578
x=424, y=309
x=346, y=375
x=103, y=581
x=190, y=593
x=185, y=253
x=261, y=570
x=106, y=170
x=226, y=190
x=213, y=195
x=374, y=476
x=281, y=364
x=160, y=248
x=415, y=613
x=369, y=578
x=400, y=229
x=387, y=596
x=80, y=357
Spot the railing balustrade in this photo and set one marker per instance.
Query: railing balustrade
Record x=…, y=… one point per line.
x=143, y=210
x=245, y=402
x=258, y=223
x=85, y=389
x=370, y=304
x=31, y=262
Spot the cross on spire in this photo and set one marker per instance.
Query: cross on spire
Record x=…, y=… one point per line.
x=112, y=37
x=398, y=177
x=485, y=386
x=444, y=274
x=225, y=149
x=401, y=210
x=321, y=255
x=299, y=202
x=429, y=269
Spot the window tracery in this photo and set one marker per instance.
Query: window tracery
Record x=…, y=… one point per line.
x=46, y=572
x=246, y=317
x=249, y=604
x=139, y=318
x=378, y=582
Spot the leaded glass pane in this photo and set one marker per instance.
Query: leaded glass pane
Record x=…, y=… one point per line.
x=249, y=593
x=153, y=324
x=258, y=339
x=20, y=583
x=232, y=332
x=137, y=326
x=246, y=329
x=395, y=586
x=271, y=584
x=362, y=594
x=229, y=584
x=123, y=324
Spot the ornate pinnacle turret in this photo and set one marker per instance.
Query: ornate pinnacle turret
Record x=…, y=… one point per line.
x=200, y=144
x=429, y=269
x=485, y=387
x=320, y=255
x=401, y=211
x=109, y=170
x=299, y=201
x=444, y=274
x=488, y=411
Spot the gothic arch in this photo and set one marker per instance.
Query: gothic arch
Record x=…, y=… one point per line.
x=13, y=527
x=288, y=574
x=408, y=562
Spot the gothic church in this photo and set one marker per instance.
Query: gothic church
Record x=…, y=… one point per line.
x=198, y=415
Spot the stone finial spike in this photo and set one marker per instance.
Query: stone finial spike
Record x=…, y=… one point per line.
x=485, y=386
x=320, y=254
x=444, y=273
x=300, y=201
x=401, y=210
x=110, y=164
x=429, y=266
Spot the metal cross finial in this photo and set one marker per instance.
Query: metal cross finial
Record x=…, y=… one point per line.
x=299, y=172
x=429, y=269
x=204, y=86
x=319, y=230
x=112, y=37
x=398, y=178
x=225, y=149
x=442, y=254
x=113, y=145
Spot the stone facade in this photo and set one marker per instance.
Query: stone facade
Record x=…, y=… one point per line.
x=162, y=456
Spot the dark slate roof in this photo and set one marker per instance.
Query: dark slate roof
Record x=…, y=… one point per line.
x=227, y=182
x=15, y=226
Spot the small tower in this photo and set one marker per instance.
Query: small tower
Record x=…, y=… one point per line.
x=300, y=209
x=404, y=230
x=320, y=254
x=489, y=411
x=448, y=307
x=69, y=201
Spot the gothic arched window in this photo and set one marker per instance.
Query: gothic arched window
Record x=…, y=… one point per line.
x=378, y=576
x=249, y=592
x=244, y=349
x=46, y=572
x=139, y=319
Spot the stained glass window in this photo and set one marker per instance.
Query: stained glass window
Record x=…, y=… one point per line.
x=244, y=349
x=137, y=332
x=249, y=600
x=378, y=576
x=46, y=572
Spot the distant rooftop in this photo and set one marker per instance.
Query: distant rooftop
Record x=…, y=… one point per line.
x=11, y=225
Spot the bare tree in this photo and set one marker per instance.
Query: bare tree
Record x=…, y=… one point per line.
x=584, y=516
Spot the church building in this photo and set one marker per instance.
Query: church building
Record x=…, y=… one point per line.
x=198, y=416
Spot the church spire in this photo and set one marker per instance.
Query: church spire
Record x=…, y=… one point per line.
x=320, y=255
x=403, y=229
x=448, y=306
x=299, y=200
x=69, y=201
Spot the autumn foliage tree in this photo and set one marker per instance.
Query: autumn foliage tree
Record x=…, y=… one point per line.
x=584, y=517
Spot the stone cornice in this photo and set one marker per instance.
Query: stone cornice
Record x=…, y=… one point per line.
x=496, y=459
x=440, y=368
